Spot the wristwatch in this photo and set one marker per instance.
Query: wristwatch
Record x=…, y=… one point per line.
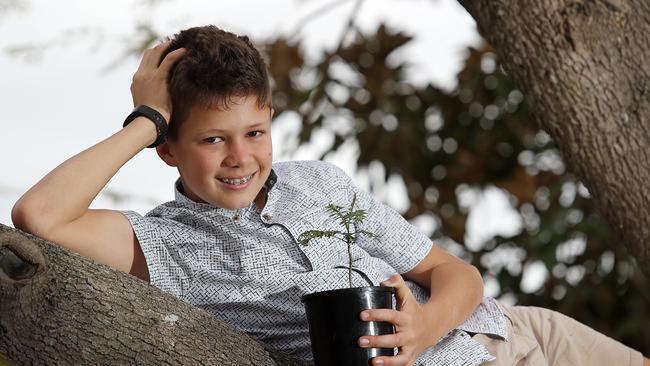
x=154, y=116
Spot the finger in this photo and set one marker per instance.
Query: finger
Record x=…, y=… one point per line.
x=399, y=360
x=151, y=56
x=170, y=59
x=383, y=341
x=145, y=62
x=392, y=316
x=402, y=292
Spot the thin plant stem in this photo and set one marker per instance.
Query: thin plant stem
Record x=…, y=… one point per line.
x=347, y=240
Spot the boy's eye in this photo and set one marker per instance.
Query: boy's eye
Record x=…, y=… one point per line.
x=213, y=140
x=255, y=133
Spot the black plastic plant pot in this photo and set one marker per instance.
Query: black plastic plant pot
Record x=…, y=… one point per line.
x=335, y=325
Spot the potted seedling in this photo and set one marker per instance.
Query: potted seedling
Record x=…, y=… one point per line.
x=333, y=316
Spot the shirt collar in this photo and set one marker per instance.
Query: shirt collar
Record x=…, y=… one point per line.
x=271, y=180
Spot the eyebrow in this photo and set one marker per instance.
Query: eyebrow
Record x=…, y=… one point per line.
x=247, y=127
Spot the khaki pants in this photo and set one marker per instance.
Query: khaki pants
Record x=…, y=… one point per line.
x=542, y=337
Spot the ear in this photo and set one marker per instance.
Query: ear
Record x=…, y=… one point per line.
x=166, y=153
x=272, y=112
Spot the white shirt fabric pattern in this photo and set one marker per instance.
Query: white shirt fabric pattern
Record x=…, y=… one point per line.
x=245, y=266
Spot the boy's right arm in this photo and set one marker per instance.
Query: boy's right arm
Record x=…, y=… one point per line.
x=57, y=207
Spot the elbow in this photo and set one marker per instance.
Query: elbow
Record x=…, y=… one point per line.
x=27, y=219
x=19, y=216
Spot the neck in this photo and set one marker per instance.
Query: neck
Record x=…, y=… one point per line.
x=260, y=200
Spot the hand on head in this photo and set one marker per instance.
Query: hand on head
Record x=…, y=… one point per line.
x=149, y=85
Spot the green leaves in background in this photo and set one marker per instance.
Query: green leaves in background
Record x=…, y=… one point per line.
x=477, y=137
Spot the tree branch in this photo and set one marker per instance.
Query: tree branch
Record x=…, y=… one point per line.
x=57, y=307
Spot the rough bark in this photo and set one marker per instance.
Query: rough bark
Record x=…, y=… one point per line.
x=59, y=308
x=583, y=66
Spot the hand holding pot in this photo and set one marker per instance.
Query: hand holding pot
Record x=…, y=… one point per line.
x=415, y=328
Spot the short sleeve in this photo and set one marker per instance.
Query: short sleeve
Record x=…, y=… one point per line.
x=166, y=272
x=399, y=244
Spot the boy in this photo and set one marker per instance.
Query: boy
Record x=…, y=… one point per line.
x=227, y=242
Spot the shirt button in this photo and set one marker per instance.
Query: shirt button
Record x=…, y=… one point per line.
x=267, y=216
x=236, y=217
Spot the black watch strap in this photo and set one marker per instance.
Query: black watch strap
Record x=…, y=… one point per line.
x=154, y=116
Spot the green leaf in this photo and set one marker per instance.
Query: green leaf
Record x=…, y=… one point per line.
x=306, y=236
x=369, y=234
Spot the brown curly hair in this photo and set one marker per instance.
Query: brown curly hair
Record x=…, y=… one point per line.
x=218, y=66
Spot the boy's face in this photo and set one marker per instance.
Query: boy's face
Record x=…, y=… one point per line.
x=224, y=156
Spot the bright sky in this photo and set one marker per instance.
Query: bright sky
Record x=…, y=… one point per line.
x=64, y=103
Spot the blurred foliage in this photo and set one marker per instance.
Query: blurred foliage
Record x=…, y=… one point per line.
x=9, y=6
x=445, y=144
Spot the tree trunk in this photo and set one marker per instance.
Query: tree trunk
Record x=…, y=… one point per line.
x=59, y=308
x=583, y=66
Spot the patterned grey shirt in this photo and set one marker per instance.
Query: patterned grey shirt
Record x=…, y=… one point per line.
x=245, y=266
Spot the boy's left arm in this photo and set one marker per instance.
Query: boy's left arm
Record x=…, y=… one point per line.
x=456, y=290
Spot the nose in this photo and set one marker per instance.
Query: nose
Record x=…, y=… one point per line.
x=236, y=154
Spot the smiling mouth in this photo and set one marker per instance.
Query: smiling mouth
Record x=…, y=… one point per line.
x=236, y=181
